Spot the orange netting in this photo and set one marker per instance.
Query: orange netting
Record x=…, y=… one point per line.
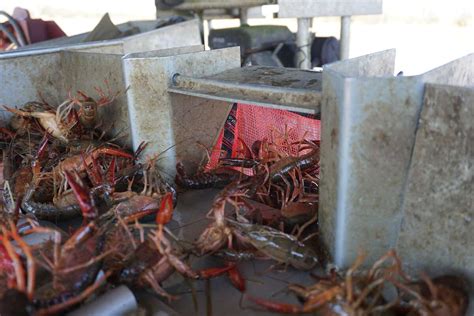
x=257, y=123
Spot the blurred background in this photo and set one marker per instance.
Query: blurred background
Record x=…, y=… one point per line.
x=425, y=33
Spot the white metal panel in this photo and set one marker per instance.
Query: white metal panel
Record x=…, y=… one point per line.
x=312, y=8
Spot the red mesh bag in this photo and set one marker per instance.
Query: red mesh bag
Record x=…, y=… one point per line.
x=254, y=123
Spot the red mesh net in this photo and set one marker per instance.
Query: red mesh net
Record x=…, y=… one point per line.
x=254, y=123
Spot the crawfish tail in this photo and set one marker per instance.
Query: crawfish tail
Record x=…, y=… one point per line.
x=281, y=169
x=48, y=211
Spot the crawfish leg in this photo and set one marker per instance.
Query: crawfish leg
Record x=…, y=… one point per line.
x=156, y=286
x=30, y=263
x=236, y=278
x=180, y=266
x=317, y=301
x=80, y=235
x=17, y=265
x=213, y=272
x=57, y=240
x=176, y=262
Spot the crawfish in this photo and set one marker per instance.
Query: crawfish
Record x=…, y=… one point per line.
x=277, y=245
x=65, y=207
x=216, y=178
x=236, y=256
x=215, y=236
x=154, y=188
x=291, y=214
x=260, y=213
x=72, y=272
x=442, y=296
x=283, y=166
x=74, y=264
x=348, y=295
x=148, y=267
x=155, y=259
x=87, y=111
x=80, y=163
x=88, y=106
x=55, y=122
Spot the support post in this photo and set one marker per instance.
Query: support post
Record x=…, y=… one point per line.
x=345, y=36
x=244, y=16
x=303, y=55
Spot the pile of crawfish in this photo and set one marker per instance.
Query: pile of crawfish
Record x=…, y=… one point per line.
x=58, y=165
x=268, y=209
x=81, y=214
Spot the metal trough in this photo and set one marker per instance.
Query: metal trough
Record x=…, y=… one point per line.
x=174, y=124
x=51, y=73
x=150, y=38
x=397, y=154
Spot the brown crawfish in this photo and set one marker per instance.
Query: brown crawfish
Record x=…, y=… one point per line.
x=349, y=295
x=55, y=122
x=216, y=178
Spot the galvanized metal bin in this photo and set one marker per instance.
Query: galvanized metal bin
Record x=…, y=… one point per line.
x=51, y=73
x=397, y=152
x=149, y=38
x=397, y=163
x=372, y=146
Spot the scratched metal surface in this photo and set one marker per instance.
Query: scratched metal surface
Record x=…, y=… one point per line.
x=280, y=88
x=51, y=73
x=437, y=232
x=149, y=38
x=370, y=119
x=173, y=125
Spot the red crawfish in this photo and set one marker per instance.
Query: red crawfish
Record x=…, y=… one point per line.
x=359, y=292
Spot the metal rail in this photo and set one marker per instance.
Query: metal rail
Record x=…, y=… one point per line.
x=287, y=89
x=220, y=4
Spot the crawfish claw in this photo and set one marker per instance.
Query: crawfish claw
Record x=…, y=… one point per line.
x=165, y=213
x=83, y=197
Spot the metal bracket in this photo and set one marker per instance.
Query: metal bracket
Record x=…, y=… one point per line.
x=280, y=88
x=370, y=120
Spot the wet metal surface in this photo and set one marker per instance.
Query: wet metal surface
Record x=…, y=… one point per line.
x=282, y=88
